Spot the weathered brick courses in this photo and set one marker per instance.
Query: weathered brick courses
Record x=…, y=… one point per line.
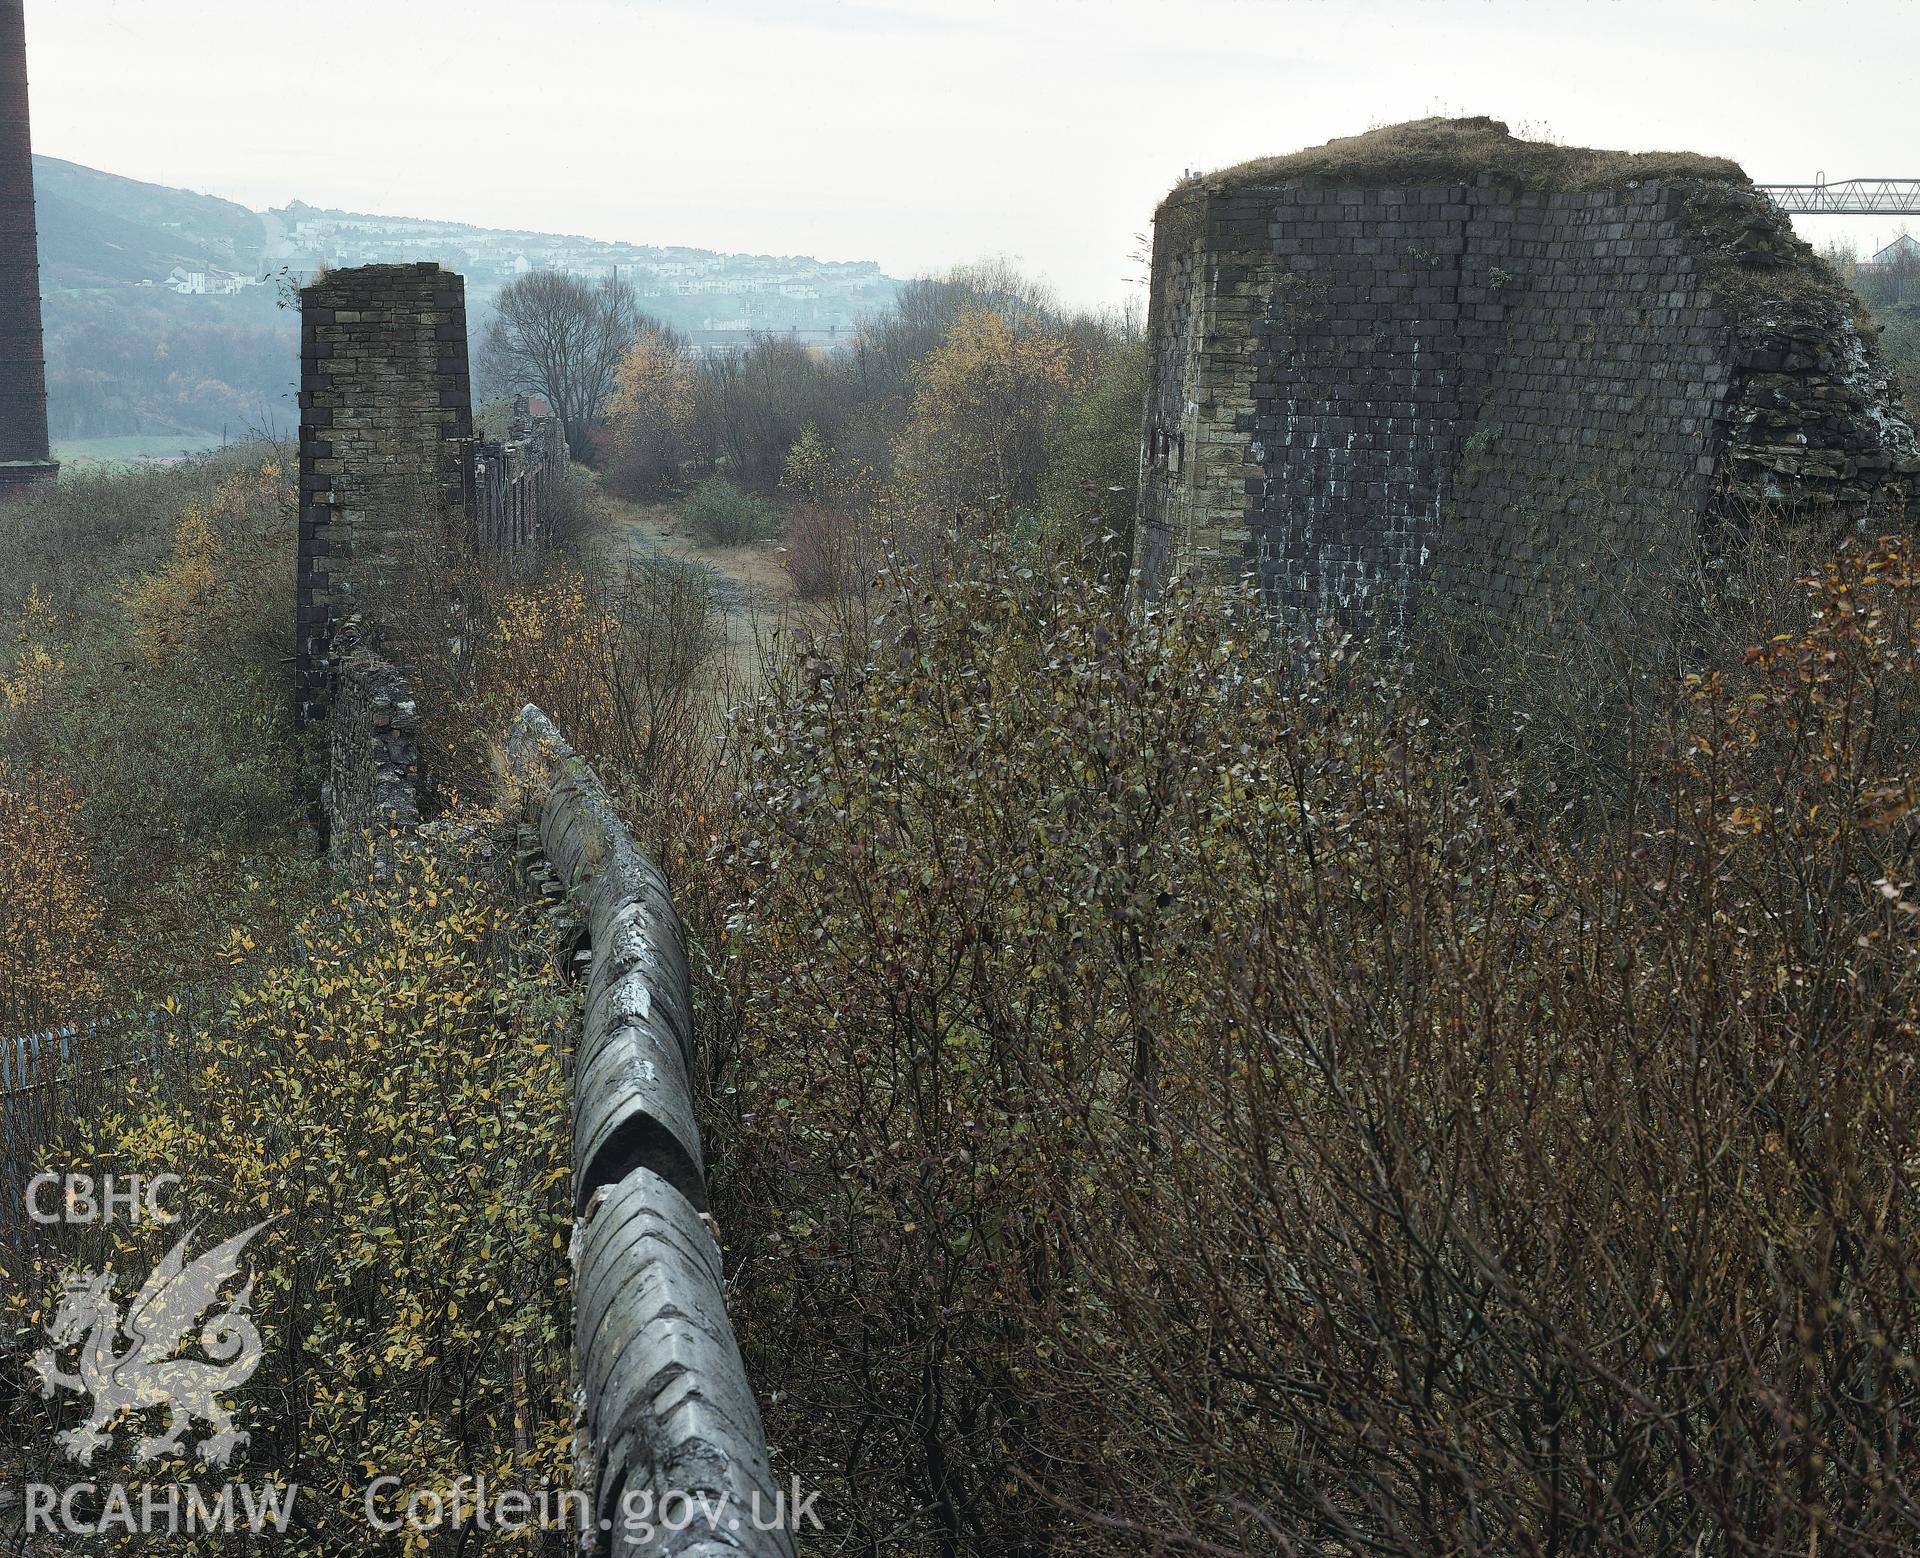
x=24, y=457
x=1490, y=389
x=385, y=425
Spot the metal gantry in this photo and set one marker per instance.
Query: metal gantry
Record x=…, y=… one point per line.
x=1847, y=197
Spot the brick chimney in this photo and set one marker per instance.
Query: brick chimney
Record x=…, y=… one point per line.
x=24, y=455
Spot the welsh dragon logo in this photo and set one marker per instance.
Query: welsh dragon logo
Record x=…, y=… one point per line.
x=133, y=1371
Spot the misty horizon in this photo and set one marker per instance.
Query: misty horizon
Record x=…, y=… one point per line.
x=918, y=134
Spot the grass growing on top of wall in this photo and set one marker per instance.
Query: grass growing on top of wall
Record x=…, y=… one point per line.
x=1453, y=150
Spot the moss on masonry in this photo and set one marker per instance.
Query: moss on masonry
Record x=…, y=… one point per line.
x=1451, y=151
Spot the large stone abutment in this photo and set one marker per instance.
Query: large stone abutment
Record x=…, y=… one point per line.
x=1437, y=359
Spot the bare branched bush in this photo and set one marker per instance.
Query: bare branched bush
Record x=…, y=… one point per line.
x=821, y=550
x=562, y=337
x=1178, y=1100
x=624, y=660
x=568, y=511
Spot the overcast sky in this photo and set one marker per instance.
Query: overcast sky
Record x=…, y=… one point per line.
x=922, y=132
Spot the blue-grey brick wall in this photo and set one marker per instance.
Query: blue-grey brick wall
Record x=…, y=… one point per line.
x=1490, y=392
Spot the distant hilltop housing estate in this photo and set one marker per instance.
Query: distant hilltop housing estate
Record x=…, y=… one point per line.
x=133, y=274
x=499, y=255
x=101, y=231
x=696, y=289
x=204, y=283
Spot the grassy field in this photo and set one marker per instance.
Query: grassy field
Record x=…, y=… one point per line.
x=131, y=449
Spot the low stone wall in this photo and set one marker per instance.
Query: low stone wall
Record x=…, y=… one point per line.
x=513, y=480
x=664, y=1408
x=373, y=752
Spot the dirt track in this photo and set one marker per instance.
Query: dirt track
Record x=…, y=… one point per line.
x=749, y=581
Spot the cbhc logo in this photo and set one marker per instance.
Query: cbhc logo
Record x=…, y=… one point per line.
x=84, y=1199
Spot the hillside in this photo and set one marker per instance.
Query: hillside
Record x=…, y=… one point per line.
x=701, y=291
x=163, y=311
x=98, y=229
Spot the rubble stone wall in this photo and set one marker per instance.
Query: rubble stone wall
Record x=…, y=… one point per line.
x=372, y=789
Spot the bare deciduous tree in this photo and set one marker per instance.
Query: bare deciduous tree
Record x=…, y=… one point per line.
x=560, y=336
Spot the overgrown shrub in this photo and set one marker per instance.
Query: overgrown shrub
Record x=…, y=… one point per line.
x=1568, y=697
x=650, y=418
x=819, y=550
x=76, y=540
x=622, y=658
x=721, y=514
x=984, y=403
x=569, y=511
x=836, y=512
x=52, y=946
x=1178, y=1101
x=392, y=1095
x=149, y=683
x=1093, y=469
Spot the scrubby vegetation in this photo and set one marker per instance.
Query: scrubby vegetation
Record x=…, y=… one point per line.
x=976, y=392
x=373, y=1061
x=1175, y=1082
x=145, y=723
x=720, y=514
x=1184, y=1098
x=391, y=1097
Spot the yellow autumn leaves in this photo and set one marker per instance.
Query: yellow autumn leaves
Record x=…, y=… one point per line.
x=393, y=1090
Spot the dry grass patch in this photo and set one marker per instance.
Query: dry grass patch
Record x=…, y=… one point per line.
x=1425, y=151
